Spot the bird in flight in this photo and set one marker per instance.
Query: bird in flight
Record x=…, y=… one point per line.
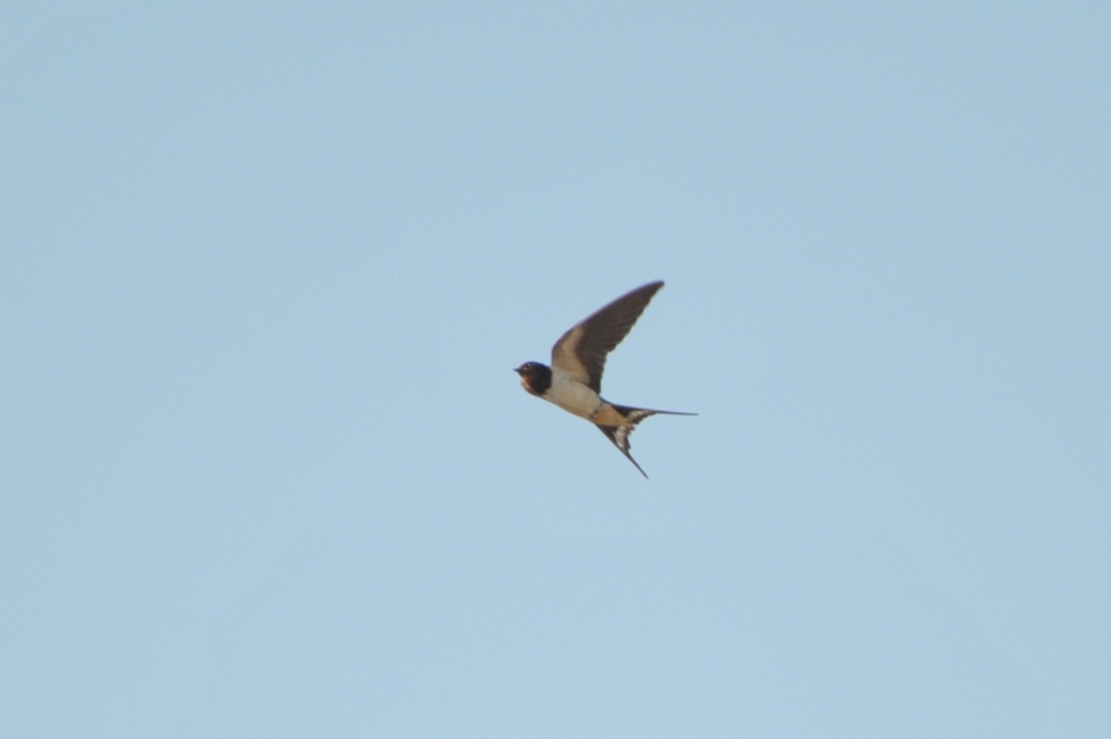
x=574, y=380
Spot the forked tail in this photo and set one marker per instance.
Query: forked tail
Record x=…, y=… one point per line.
x=619, y=435
x=636, y=415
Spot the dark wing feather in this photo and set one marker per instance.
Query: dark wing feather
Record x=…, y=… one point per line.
x=582, y=351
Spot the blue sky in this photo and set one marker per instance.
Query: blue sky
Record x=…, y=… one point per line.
x=265, y=270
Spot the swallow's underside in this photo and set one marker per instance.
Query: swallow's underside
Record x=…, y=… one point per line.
x=574, y=380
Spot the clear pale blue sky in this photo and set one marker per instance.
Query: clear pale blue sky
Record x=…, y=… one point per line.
x=265, y=270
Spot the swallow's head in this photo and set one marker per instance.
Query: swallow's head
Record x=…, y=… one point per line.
x=535, y=377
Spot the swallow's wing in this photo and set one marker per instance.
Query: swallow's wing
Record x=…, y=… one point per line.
x=581, y=352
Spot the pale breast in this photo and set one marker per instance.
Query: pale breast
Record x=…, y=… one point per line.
x=572, y=396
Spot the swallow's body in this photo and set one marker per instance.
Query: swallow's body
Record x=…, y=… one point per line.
x=574, y=381
x=573, y=396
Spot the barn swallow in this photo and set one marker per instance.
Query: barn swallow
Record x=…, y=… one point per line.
x=574, y=380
